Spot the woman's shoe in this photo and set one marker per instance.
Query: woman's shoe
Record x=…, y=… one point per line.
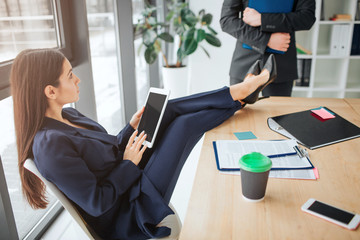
x=270, y=65
x=255, y=69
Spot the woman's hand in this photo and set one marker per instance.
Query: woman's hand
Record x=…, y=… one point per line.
x=252, y=17
x=133, y=150
x=134, y=122
x=279, y=41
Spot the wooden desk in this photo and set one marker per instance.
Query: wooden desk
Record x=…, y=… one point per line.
x=217, y=210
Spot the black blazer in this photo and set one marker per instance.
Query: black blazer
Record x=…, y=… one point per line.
x=113, y=195
x=302, y=17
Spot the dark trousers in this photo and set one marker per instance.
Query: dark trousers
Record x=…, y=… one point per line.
x=274, y=89
x=185, y=121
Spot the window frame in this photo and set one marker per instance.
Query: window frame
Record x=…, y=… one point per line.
x=73, y=36
x=62, y=23
x=72, y=29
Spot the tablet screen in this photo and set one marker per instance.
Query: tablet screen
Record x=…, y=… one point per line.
x=151, y=114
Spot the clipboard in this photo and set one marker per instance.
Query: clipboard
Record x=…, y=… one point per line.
x=311, y=131
x=298, y=153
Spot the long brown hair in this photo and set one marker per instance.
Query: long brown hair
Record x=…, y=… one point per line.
x=31, y=72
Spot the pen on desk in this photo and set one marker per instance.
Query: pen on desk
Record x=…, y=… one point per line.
x=282, y=155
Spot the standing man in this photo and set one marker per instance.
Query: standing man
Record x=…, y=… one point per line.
x=262, y=30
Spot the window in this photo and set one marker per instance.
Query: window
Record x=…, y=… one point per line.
x=23, y=25
x=26, y=24
x=101, y=23
x=142, y=81
x=25, y=217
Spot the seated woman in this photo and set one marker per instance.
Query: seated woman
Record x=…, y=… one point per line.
x=121, y=188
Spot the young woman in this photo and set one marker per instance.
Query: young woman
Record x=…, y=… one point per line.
x=121, y=188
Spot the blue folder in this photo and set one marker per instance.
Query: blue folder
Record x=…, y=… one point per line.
x=270, y=6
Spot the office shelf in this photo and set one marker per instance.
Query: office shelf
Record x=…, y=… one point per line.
x=332, y=74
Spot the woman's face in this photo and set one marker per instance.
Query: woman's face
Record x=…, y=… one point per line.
x=68, y=89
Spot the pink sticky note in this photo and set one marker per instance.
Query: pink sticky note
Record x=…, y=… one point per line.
x=323, y=113
x=316, y=172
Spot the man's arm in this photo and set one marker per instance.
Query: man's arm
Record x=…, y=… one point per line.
x=236, y=27
x=301, y=19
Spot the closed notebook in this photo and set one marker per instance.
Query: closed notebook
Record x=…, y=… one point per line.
x=312, y=131
x=273, y=6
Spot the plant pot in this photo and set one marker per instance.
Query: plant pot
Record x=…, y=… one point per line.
x=176, y=79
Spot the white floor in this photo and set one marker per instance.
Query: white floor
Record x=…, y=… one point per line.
x=64, y=228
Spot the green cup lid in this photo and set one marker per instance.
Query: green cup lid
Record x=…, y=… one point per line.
x=255, y=162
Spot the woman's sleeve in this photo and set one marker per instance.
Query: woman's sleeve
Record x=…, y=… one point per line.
x=236, y=27
x=123, y=136
x=301, y=19
x=59, y=162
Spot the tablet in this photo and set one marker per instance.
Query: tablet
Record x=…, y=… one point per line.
x=156, y=102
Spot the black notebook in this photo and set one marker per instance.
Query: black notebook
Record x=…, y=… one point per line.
x=310, y=130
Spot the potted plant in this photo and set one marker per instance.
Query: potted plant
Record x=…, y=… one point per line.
x=190, y=32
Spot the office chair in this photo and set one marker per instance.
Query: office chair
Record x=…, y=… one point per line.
x=171, y=221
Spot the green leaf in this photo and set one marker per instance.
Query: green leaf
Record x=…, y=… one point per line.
x=150, y=55
x=179, y=29
x=206, y=52
x=180, y=55
x=207, y=19
x=189, y=34
x=149, y=37
x=189, y=46
x=212, y=30
x=200, y=35
x=166, y=37
x=201, y=12
x=169, y=15
x=212, y=40
x=188, y=17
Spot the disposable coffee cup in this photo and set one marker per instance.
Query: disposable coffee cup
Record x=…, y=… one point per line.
x=254, y=168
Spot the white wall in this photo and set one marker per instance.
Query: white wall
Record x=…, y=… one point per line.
x=211, y=73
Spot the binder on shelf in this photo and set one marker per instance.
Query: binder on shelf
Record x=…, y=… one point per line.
x=322, y=12
x=273, y=6
x=311, y=131
x=344, y=36
x=355, y=46
x=357, y=15
x=339, y=39
x=335, y=40
x=304, y=69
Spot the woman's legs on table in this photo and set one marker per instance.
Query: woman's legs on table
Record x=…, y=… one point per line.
x=185, y=121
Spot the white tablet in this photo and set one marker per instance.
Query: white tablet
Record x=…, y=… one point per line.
x=156, y=102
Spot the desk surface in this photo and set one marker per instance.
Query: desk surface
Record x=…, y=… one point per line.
x=217, y=210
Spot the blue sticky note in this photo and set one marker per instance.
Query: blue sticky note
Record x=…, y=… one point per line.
x=245, y=135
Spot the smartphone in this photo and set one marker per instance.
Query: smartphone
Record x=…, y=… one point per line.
x=155, y=105
x=332, y=214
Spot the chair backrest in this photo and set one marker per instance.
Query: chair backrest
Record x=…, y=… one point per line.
x=171, y=221
x=30, y=165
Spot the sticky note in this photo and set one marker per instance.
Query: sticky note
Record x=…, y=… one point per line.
x=323, y=113
x=245, y=135
x=325, y=110
x=316, y=173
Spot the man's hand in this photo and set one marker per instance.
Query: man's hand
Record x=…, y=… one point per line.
x=279, y=41
x=252, y=17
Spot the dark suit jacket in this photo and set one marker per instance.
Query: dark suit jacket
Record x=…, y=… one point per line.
x=301, y=18
x=114, y=196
